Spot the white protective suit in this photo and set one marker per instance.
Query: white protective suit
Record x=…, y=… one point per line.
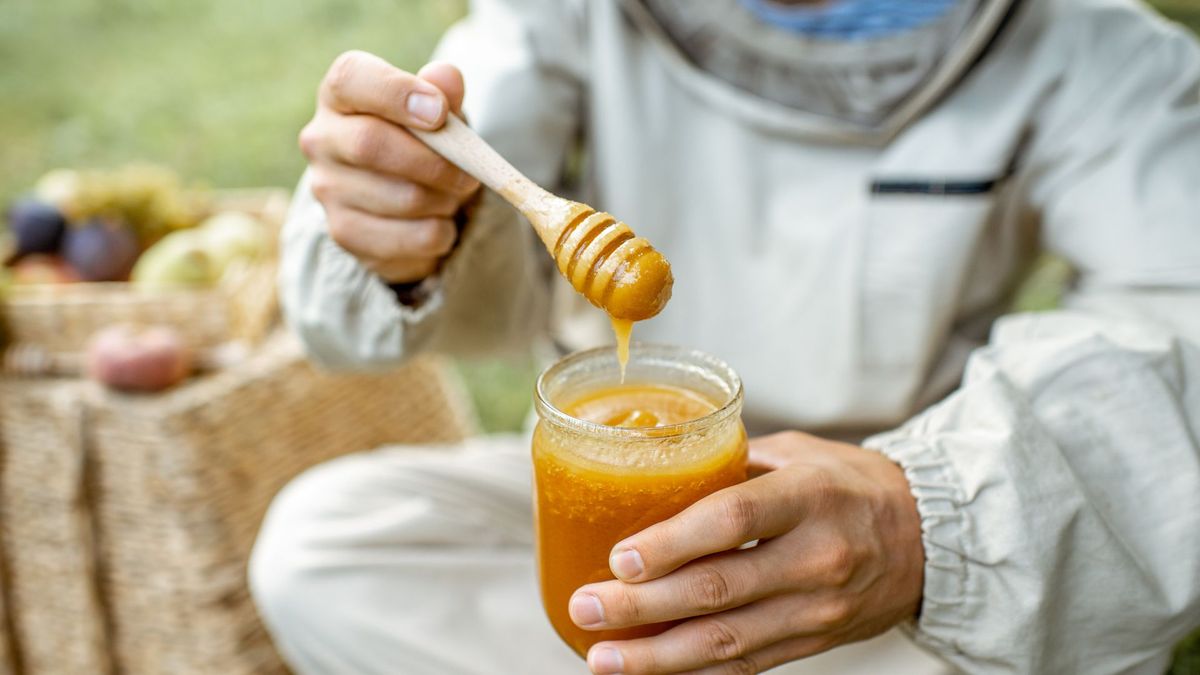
x=851, y=275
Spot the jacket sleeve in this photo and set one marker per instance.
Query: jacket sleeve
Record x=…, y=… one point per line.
x=1059, y=487
x=522, y=64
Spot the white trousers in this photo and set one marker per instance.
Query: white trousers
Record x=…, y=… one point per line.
x=408, y=560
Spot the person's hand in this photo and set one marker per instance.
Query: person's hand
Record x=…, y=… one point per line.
x=839, y=559
x=390, y=200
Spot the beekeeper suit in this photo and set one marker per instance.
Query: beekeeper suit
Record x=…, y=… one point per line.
x=846, y=219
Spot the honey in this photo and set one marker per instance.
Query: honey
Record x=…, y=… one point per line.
x=620, y=458
x=622, y=329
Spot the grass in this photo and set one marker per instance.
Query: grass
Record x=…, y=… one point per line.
x=216, y=89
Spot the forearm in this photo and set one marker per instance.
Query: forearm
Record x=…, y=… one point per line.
x=1059, y=491
x=490, y=296
x=346, y=316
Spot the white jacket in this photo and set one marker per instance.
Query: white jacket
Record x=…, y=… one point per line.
x=851, y=276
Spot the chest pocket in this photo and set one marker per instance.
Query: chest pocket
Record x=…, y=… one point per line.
x=921, y=240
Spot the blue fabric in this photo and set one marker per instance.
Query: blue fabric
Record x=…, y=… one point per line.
x=850, y=19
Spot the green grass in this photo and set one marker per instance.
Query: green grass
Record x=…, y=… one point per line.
x=501, y=390
x=216, y=89
x=1187, y=656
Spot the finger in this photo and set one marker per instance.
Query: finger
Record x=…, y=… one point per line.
x=784, y=651
x=768, y=453
x=368, y=142
x=371, y=237
x=709, y=585
x=448, y=79
x=380, y=194
x=359, y=82
x=762, y=507
x=703, y=642
x=402, y=270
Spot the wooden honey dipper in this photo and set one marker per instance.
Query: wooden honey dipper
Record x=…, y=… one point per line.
x=602, y=258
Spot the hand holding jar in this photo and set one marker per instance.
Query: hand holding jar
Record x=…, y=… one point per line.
x=839, y=559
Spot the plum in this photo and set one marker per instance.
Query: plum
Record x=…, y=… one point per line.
x=37, y=227
x=126, y=358
x=101, y=250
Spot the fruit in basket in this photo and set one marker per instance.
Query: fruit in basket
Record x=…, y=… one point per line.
x=179, y=259
x=62, y=188
x=126, y=358
x=101, y=250
x=151, y=199
x=36, y=226
x=42, y=269
x=233, y=235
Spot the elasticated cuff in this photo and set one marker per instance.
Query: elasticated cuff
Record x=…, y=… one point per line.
x=944, y=525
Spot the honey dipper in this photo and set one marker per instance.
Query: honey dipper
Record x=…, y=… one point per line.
x=601, y=257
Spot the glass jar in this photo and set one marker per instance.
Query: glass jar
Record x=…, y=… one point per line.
x=594, y=484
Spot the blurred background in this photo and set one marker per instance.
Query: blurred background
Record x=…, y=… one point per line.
x=215, y=90
x=218, y=90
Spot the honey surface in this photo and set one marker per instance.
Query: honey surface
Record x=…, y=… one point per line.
x=640, y=406
x=582, y=508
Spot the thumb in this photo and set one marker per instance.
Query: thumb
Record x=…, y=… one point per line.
x=447, y=78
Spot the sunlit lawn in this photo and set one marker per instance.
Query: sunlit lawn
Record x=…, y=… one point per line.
x=216, y=89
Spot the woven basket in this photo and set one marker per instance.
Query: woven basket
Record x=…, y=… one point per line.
x=7, y=667
x=61, y=317
x=127, y=520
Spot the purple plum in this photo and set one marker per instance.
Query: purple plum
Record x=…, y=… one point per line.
x=37, y=227
x=101, y=250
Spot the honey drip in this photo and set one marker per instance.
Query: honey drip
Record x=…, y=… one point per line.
x=622, y=329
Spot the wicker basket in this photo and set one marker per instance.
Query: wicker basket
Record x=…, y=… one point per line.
x=127, y=520
x=7, y=667
x=61, y=317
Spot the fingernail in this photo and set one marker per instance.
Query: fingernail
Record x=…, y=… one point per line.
x=425, y=107
x=605, y=660
x=585, y=610
x=626, y=564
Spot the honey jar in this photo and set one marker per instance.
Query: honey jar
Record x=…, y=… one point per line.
x=611, y=458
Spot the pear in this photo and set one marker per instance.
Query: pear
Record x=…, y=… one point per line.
x=179, y=260
x=231, y=236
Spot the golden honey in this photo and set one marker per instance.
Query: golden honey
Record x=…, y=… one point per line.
x=614, y=459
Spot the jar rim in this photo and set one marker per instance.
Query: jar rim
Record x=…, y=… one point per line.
x=547, y=411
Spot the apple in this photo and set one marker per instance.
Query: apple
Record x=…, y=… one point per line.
x=126, y=358
x=42, y=269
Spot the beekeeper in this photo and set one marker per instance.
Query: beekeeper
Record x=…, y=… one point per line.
x=847, y=192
